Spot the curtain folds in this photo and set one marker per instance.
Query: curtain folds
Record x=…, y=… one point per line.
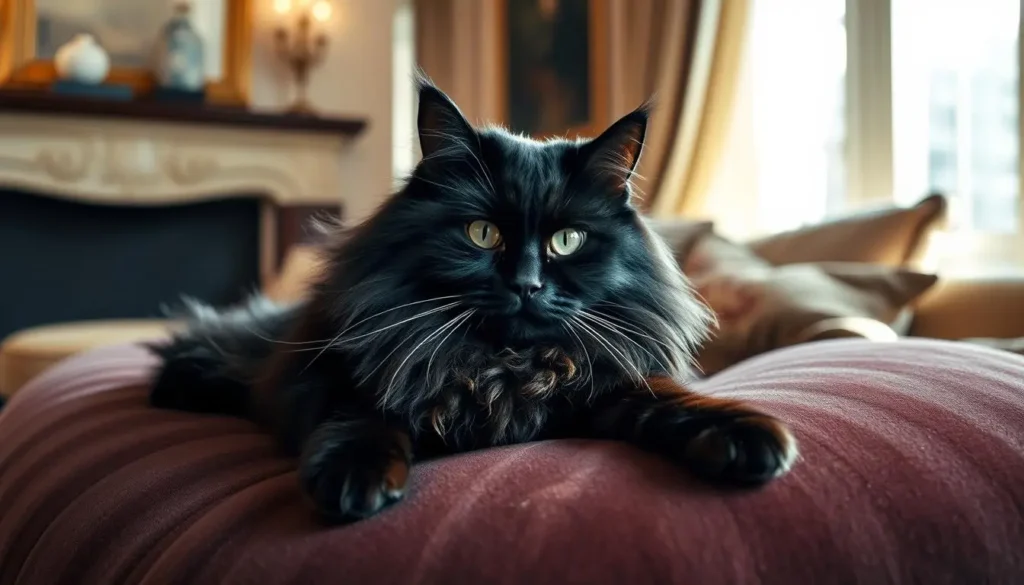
x=686, y=54
x=704, y=109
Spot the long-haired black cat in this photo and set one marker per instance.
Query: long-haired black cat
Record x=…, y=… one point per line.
x=509, y=292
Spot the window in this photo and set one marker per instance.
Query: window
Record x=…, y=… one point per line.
x=798, y=62
x=955, y=71
x=861, y=103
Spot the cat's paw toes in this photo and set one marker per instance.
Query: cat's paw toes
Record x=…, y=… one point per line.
x=347, y=483
x=749, y=450
x=346, y=495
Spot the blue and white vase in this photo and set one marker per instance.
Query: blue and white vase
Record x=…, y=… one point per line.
x=180, y=62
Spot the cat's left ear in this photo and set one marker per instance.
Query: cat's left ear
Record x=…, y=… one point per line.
x=614, y=154
x=439, y=122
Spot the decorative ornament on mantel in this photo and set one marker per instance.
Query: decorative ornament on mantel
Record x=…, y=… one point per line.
x=181, y=66
x=303, y=46
x=82, y=60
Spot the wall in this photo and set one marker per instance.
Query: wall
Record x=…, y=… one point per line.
x=355, y=79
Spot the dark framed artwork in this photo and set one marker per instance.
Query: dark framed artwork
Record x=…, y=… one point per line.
x=554, y=78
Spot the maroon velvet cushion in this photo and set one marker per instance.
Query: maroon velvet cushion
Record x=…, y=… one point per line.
x=912, y=472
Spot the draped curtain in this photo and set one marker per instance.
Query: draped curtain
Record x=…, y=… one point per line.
x=685, y=53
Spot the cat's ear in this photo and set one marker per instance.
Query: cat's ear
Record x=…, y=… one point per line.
x=613, y=155
x=440, y=124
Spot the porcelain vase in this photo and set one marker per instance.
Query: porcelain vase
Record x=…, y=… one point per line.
x=180, y=61
x=83, y=60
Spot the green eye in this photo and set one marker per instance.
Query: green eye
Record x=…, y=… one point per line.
x=484, y=234
x=566, y=241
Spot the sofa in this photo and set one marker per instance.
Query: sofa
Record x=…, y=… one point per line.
x=911, y=468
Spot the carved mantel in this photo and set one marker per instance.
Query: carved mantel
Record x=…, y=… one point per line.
x=154, y=154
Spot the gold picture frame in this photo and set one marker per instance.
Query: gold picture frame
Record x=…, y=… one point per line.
x=20, y=67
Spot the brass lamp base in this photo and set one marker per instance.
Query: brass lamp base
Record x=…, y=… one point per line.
x=305, y=52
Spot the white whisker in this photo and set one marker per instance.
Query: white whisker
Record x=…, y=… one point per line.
x=625, y=326
x=402, y=322
x=611, y=348
x=614, y=329
x=283, y=342
x=337, y=339
x=386, y=311
x=386, y=358
x=435, y=334
x=590, y=364
x=445, y=338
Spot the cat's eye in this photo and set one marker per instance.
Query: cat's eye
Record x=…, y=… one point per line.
x=566, y=241
x=484, y=234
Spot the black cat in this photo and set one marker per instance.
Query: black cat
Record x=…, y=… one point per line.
x=509, y=292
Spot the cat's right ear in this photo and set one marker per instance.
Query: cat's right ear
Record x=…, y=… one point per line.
x=440, y=124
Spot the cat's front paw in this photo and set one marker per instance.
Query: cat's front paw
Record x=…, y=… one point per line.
x=748, y=450
x=351, y=474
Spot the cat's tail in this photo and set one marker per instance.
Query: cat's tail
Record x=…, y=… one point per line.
x=212, y=365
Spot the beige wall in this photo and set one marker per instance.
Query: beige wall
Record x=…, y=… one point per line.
x=355, y=79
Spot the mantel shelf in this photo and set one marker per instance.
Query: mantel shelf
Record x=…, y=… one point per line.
x=43, y=103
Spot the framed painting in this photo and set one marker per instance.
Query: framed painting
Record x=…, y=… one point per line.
x=555, y=59
x=31, y=31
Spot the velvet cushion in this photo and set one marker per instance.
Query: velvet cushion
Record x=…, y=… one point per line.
x=912, y=471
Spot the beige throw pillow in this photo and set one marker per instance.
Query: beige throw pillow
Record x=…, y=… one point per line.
x=760, y=308
x=681, y=235
x=893, y=236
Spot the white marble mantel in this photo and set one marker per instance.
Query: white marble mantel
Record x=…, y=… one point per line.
x=147, y=157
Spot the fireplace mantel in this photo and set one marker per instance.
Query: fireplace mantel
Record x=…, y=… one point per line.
x=155, y=154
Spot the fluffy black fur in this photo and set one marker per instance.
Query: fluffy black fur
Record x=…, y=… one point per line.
x=417, y=342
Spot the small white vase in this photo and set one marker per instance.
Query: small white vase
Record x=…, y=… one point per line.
x=82, y=59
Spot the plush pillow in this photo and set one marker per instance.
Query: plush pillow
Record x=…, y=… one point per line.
x=764, y=308
x=761, y=307
x=892, y=236
x=681, y=235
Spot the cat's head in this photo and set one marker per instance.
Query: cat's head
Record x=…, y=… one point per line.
x=524, y=243
x=531, y=233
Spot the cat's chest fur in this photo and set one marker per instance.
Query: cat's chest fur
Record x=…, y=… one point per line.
x=498, y=399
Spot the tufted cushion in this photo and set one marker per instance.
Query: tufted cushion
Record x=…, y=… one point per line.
x=912, y=472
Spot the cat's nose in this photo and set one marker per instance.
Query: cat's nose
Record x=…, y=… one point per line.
x=527, y=287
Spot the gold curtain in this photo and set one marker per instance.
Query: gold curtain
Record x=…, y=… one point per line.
x=457, y=48
x=651, y=45
x=434, y=47
x=705, y=108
